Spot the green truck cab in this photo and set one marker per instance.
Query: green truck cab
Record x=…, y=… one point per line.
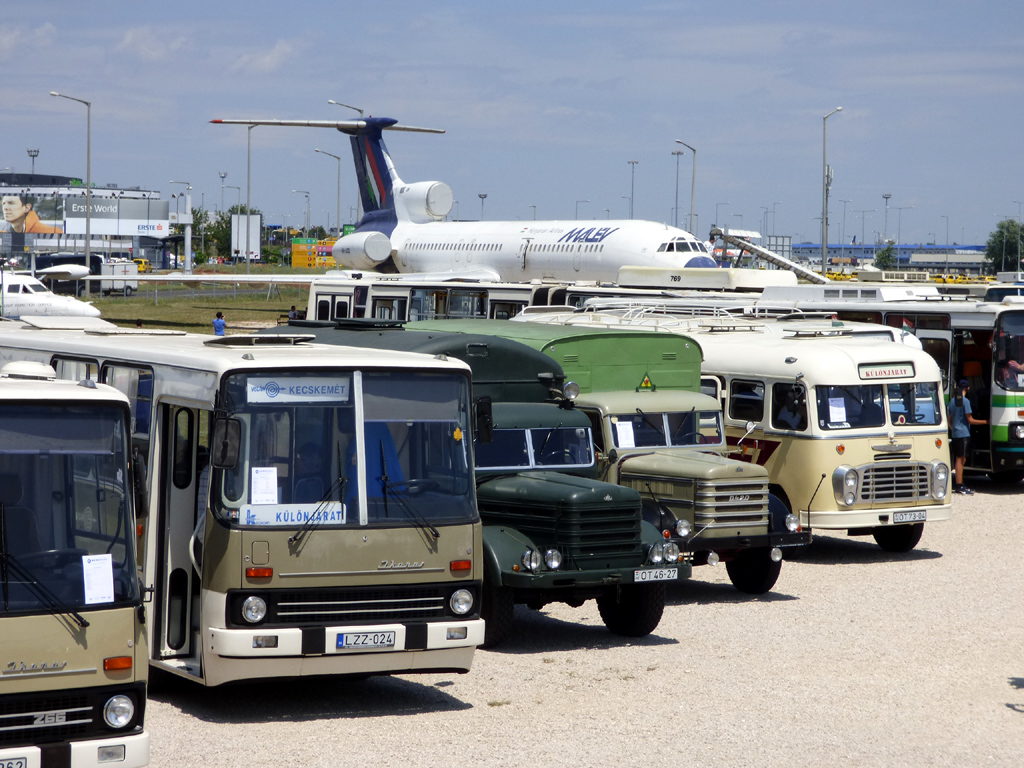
x=553, y=532
x=654, y=432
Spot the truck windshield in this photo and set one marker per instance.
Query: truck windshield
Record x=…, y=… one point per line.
x=67, y=531
x=914, y=403
x=850, y=407
x=540, y=447
x=667, y=429
x=300, y=456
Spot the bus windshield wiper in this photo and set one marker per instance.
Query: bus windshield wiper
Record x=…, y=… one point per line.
x=313, y=522
x=40, y=590
x=411, y=512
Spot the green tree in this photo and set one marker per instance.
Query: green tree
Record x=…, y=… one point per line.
x=1002, y=251
x=886, y=258
x=219, y=230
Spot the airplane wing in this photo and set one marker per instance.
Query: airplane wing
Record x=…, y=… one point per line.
x=60, y=272
x=345, y=126
x=467, y=275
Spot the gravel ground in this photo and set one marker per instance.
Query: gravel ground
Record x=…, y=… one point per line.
x=858, y=657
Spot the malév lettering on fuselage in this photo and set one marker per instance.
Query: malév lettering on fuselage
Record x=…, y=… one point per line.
x=403, y=228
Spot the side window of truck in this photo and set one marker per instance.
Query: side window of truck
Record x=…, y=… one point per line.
x=746, y=400
x=595, y=428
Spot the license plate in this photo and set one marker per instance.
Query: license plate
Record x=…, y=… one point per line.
x=358, y=640
x=656, y=574
x=13, y=762
x=910, y=517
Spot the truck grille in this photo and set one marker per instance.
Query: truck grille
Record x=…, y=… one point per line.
x=45, y=718
x=359, y=605
x=727, y=504
x=894, y=482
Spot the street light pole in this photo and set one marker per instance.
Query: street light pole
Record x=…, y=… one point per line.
x=188, y=224
x=339, y=185
x=223, y=175
x=675, y=210
x=88, y=173
x=304, y=192
x=842, y=234
x=885, y=227
x=693, y=180
x=33, y=153
x=482, y=196
x=825, y=183
x=862, y=217
x=578, y=207
x=947, y=242
x=632, y=180
x=359, y=196
x=717, y=206
x=534, y=212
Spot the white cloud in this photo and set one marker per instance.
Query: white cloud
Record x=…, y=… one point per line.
x=144, y=43
x=263, y=62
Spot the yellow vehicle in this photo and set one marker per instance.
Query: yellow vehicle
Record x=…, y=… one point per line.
x=144, y=265
x=311, y=509
x=74, y=663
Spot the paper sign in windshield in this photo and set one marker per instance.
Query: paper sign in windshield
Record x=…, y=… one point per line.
x=263, y=488
x=836, y=410
x=624, y=434
x=98, y=576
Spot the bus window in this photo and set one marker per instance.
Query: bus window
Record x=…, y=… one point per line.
x=137, y=385
x=505, y=310
x=323, y=309
x=75, y=370
x=850, y=407
x=340, y=310
x=789, y=407
x=389, y=309
x=746, y=400
x=1009, y=352
x=911, y=403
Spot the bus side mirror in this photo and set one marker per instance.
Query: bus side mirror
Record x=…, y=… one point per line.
x=225, y=442
x=484, y=420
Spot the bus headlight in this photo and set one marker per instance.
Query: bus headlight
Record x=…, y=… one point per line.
x=671, y=552
x=461, y=602
x=1018, y=432
x=940, y=480
x=553, y=559
x=254, y=609
x=118, y=711
x=844, y=484
x=531, y=560
x=683, y=528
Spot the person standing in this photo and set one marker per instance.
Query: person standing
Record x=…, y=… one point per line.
x=218, y=324
x=960, y=421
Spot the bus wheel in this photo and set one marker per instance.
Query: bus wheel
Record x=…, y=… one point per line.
x=753, y=571
x=898, y=538
x=497, y=612
x=1008, y=476
x=632, y=610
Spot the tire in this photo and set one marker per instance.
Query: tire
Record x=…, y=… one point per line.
x=898, y=538
x=632, y=610
x=753, y=571
x=498, y=612
x=1008, y=477
x=127, y=291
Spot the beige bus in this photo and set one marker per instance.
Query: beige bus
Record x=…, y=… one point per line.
x=74, y=664
x=849, y=423
x=311, y=510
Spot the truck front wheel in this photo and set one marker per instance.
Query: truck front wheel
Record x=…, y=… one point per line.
x=753, y=571
x=497, y=611
x=632, y=610
x=898, y=538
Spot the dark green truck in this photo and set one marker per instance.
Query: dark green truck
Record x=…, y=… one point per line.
x=553, y=532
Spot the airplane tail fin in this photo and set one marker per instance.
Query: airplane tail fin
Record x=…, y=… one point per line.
x=374, y=169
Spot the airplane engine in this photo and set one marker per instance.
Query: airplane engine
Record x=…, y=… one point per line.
x=424, y=201
x=362, y=250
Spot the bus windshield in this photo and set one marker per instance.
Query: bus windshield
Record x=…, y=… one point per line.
x=661, y=430
x=66, y=528
x=850, y=407
x=300, y=459
x=1009, y=352
x=914, y=403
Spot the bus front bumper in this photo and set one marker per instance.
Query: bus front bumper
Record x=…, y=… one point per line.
x=868, y=517
x=129, y=751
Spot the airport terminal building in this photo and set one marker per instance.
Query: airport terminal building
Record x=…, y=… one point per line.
x=44, y=214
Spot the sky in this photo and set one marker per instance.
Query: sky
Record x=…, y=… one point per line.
x=544, y=104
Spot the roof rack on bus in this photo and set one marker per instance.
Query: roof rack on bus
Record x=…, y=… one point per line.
x=261, y=340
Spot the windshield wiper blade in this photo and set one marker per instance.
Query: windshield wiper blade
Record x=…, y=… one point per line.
x=544, y=443
x=313, y=521
x=650, y=423
x=41, y=591
x=411, y=512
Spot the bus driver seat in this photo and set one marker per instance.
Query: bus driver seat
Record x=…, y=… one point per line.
x=19, y=522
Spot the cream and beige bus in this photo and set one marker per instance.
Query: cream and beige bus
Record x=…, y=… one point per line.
x=849, y=423
x=311, y=510
x=74, y=661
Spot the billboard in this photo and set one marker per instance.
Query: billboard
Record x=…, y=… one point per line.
x=118, y=216
x=238, y=241
x=32, y=214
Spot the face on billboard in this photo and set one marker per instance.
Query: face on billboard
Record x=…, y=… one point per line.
x=22, y=214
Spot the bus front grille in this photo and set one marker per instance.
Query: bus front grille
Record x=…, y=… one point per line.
x=894, y=482
x=54, y=716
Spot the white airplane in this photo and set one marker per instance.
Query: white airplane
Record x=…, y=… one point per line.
x=403, y=228
x=22, y=295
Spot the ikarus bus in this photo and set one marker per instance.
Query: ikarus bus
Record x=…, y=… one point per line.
x=851, y=428
x=73, y=662
x=311, y=510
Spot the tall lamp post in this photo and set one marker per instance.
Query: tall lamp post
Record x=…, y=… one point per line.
x=717, y=206
x=33, y=153
x=223, y=175
x=693, y=181
x=842, y=234
x=885, y=227
x=632, y=187
x=862, y=217
x=188, y=225
x=88, y=172
x=947, y=242
x=534, y=212
x=339, y=185
x=359, y=196
x=304, y=192
x=675, y=210
x=578, y=207
x=482, y=196
x=825, y=183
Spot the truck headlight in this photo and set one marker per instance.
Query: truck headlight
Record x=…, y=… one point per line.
x=461, y=602
x=553, y=559
x=254, y=609
x=683, y=528
x=531, y=560
x=671, y=552
x=118, y=711
x=571, y=390
x=656, y=554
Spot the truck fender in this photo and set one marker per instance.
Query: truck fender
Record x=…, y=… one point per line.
x=503, y=548
x=649, y=534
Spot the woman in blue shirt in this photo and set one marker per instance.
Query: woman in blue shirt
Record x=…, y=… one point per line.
x=218, y=324
x=960, y=420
